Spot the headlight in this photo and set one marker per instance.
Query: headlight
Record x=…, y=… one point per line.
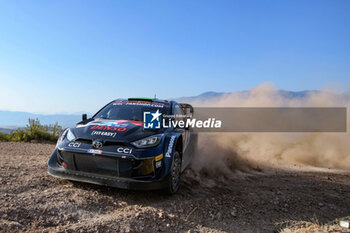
x=70, y=135
x=67, y=133
x=148, y=142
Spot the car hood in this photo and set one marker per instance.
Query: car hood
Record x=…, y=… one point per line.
x=112, y=130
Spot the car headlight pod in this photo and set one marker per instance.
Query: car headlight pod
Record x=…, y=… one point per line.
x=67, y=133
x=148, y=142
x=70, y=135
x=61, y=137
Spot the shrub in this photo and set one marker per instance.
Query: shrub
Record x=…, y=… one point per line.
x=3, y=137
x=34, y=131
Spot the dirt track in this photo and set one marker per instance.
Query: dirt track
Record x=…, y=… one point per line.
x=31, y=200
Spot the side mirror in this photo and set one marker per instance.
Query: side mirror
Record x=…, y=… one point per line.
x=84, y=117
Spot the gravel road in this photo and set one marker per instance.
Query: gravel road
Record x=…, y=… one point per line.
x=33, y=201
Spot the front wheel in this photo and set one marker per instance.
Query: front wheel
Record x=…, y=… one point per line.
x=175, y=173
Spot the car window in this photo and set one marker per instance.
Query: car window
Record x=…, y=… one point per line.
x=129, y=111
x=178, y=112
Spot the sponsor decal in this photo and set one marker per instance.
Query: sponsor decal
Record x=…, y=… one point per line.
x=74, y=144
x=109, y=128
x=103, y=133
x=170, y=147
x=136, y=123
x=159, y=157
x=124, y=150
x=151, y=120
x=140, y=103
x=158, y=164
x=112, y=125
x=93, y=151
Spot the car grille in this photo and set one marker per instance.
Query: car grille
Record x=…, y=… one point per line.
x=106, y=143
x=108, y=165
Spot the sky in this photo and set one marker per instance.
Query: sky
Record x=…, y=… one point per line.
x=76, y=56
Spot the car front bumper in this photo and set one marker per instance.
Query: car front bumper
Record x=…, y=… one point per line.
x=57, y=170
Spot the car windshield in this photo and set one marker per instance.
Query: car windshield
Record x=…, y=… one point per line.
x=130, y=110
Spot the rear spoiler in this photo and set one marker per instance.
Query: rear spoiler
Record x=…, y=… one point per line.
x=187, y=108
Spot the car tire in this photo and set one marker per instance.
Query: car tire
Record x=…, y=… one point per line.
x=175, y=174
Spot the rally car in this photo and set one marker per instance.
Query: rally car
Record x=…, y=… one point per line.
x=124, y=145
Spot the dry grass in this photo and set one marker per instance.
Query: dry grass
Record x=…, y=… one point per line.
x=312, y=226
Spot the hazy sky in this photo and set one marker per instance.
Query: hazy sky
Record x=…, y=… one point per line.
x=73, y=56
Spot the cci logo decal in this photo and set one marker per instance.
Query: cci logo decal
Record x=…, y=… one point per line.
x=151, y=120
x=124, y=150
x=74, y=144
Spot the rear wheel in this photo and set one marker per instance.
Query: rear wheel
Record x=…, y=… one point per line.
x=175, y=173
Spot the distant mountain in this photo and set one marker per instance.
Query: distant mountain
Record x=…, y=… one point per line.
x=211, y=95
x=20, y=119
x=8, y=129
x=214, y=95
x=204, y=96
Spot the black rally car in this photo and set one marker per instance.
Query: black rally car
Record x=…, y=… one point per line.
x=124, y=145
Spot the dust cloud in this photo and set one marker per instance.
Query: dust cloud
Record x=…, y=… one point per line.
x=227, y=154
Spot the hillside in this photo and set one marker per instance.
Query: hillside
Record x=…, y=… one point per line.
x=20, y=119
